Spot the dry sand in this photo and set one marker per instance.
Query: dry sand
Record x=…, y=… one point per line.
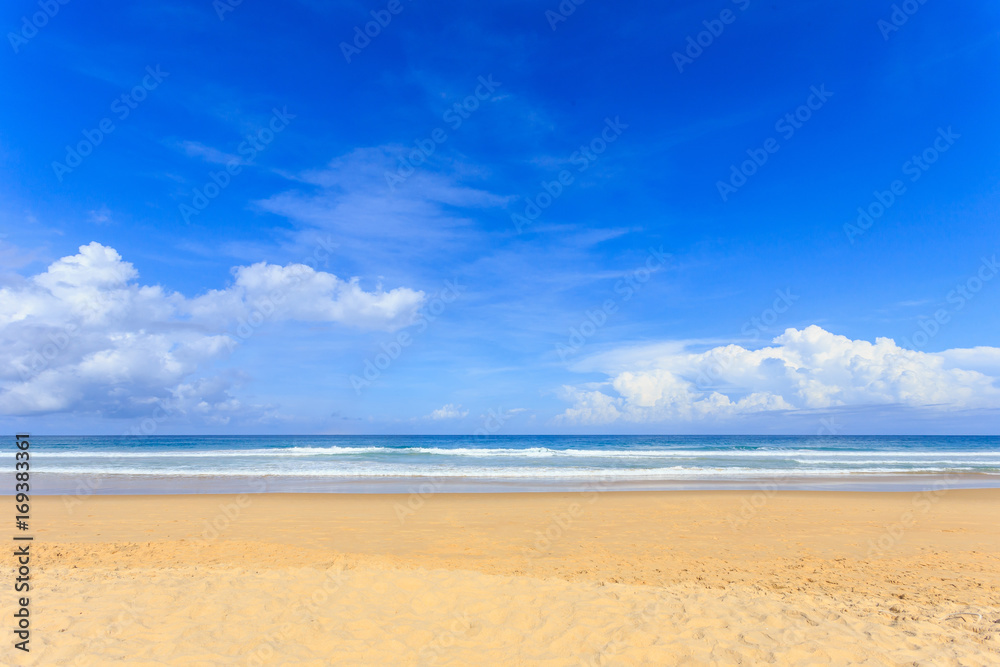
x=615, y=578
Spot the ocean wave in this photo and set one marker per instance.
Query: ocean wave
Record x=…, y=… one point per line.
x=209, y=453
x=277, y=452
x=798, y=455
x=507, y=472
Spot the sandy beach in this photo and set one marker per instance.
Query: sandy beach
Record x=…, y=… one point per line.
x=611, y=578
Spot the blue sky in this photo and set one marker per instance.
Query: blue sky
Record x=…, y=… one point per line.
x=641, y=239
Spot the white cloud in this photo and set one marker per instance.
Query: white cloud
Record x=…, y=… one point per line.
x=299, y=292
x=85, y=336
x=808, y=369
x=449, y=411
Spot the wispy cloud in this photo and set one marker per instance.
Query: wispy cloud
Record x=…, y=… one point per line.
x=209, y=154
x=101, y=216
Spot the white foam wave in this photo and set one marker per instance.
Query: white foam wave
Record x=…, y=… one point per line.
x=521, y=472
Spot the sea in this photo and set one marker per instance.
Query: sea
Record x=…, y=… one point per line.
x=424, y=464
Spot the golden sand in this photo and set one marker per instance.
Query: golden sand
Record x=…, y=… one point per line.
x=615, y=578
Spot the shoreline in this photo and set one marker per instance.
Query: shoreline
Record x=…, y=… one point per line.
x=119, y=484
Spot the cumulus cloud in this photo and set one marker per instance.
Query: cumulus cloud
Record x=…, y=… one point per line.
x=298, y=292
x=85, y=335
x=449, y=411
x=808, y=369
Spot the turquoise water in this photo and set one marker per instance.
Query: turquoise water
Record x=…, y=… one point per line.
x=538, y=462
